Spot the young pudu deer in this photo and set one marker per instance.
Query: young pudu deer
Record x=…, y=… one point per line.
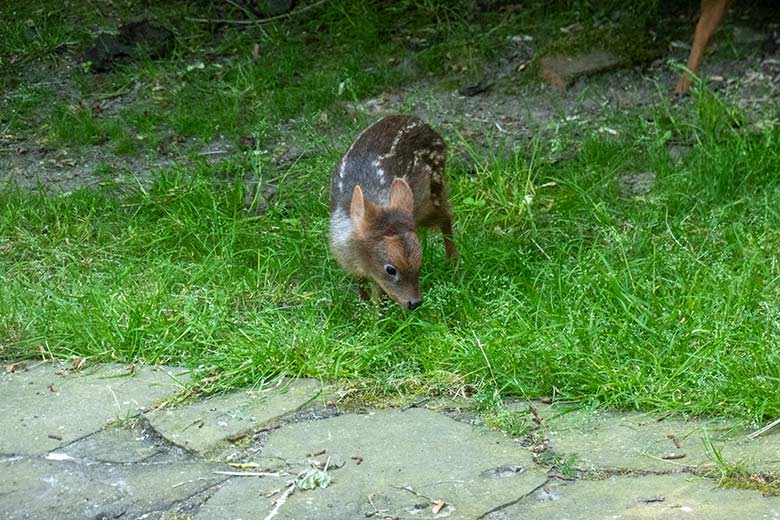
x=389, y=183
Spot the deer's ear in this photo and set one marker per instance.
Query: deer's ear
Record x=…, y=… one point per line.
x=401, y=196
x=357, y=208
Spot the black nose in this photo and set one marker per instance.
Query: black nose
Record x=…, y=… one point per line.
x=413, y=305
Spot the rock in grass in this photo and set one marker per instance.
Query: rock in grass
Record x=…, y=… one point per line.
x=274, y=7
x=562, y=71
x=636, y=184
x=473, y=90
x=134, y=40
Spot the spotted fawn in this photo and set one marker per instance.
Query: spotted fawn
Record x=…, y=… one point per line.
x=389, y=183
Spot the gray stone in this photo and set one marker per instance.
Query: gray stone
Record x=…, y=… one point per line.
x=678, y=152
x=42, y=489
x=633, y=498
x=205, y=426
x=46, y=406
x=561, y=71
x=637, y=441
x=275, y=7
x=472, y=470
x=636, y=184
x=134, y=40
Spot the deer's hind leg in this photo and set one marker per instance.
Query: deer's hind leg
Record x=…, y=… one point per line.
x=441, y=211
x=439, y=215
x=432, y=208
x=444, y=223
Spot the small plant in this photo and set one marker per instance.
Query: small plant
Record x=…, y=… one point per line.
x=495, y=414
x=127, y=421
x=564, y=463
x=739, y=475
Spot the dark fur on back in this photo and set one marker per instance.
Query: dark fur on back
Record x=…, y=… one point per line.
x=394, y=146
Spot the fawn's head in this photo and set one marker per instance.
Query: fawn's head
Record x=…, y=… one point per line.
x=390, y=252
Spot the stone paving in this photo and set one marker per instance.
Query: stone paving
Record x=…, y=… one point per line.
x=105, y=443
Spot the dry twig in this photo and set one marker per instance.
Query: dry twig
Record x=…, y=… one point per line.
x=248, y=473
x=764, y=429
x=259, y=21
x=279, y=502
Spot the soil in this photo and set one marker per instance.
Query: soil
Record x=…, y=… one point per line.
x=503, y=111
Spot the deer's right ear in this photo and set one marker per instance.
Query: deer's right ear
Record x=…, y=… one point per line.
x=358, y=206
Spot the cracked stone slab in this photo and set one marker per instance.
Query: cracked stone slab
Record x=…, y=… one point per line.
x=205, y=426
x=123, y=445
x=376, y=455
x=38, y=488
x=46, y=407
x=646, y=442
x=634, y=498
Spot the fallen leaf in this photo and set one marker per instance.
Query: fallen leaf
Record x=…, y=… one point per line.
x=561, y=476
x=470, y=201
x=236, y=437
x=247, y=142
x=313, y=478
x=674, y=456
x=210, y=379
x=13, y=367
x=244, y=465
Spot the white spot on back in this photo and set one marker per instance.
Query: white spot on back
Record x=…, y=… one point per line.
x=397, y=139
x=343, y=166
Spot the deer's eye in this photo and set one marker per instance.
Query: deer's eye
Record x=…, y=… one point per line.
x=389, y=269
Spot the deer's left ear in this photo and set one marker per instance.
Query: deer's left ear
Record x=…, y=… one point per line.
x=401, y=196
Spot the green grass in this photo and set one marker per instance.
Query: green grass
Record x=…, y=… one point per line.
x=213, y=85
x=662, y=302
